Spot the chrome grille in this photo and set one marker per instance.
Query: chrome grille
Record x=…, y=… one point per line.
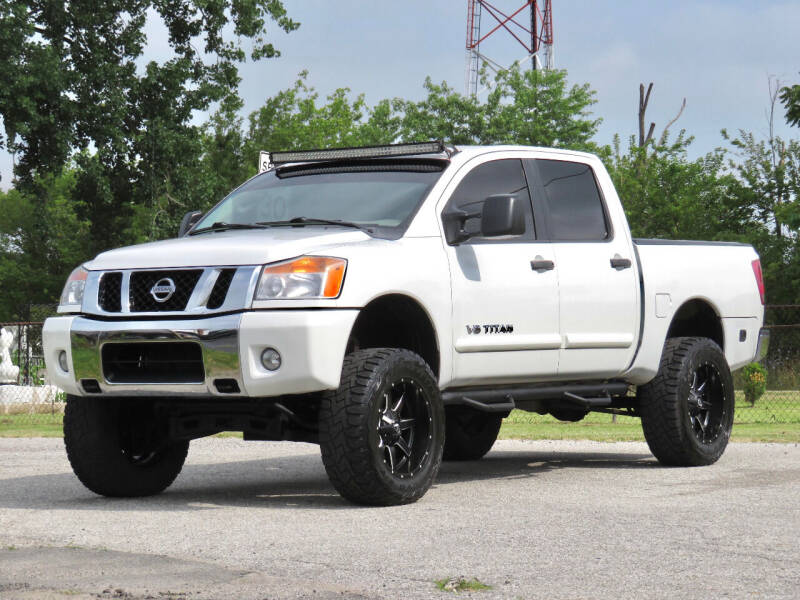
x=109, y=296
x=142, y=282
x=197, y=290
x=220, y=291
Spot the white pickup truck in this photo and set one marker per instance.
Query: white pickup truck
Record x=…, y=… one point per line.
x=393, y=304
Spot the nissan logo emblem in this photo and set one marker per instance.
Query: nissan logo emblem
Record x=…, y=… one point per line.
x=163, y=289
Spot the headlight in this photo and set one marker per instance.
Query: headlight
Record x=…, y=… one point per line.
x=72, y=296
x=305, y=277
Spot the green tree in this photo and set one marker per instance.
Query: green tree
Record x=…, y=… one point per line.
x=71, y=78
x=790, y=96
x=72, y=83
x=539, y=108
x=666, y=195
x=534, y=107
x=42, y=238
x=294, y=119
x=768, y=174
x=443, y=114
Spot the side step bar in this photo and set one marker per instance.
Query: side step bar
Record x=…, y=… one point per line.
x=506, y=406
x=586, y=395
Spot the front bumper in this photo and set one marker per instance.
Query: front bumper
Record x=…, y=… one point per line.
x=311, y=343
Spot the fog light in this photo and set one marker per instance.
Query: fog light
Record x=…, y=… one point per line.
x=62, y=361
x=271, y=359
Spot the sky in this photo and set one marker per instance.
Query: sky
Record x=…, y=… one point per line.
x=719, y=55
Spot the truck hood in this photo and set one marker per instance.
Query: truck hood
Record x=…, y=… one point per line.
x=235, y=247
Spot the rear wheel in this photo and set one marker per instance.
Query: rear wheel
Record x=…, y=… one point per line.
x=119, y=447
x=687, y=410
x=470, y=433
x=381, y=432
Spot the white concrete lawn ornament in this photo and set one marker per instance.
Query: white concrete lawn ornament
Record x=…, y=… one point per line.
x=8, y=372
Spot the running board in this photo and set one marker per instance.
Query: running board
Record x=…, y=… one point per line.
x=506, y=406
x=537, y=397
x=588, y=402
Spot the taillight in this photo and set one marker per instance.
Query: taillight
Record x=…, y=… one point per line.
x=759, y=278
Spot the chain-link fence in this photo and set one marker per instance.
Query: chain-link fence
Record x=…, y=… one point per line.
x=29, y=405
x=780, y=403
x=26, y=399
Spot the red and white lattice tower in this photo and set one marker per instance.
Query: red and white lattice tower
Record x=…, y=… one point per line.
x=535, y=35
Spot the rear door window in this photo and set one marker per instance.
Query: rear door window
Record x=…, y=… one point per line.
x=572, y=202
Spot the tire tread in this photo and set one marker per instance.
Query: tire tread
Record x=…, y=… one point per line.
x=343, y=416
x=663, y=420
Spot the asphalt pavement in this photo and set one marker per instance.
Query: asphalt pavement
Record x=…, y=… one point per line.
x=254, y=520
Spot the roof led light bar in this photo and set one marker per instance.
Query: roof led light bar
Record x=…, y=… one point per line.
x=268, y=160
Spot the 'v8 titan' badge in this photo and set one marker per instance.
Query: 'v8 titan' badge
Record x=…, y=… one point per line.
x=495, y=328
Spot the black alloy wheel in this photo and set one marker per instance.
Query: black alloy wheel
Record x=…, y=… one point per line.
x=404, y=428
x=706, y=407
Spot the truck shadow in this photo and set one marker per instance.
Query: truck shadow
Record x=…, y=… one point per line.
x=505, y=464
x=297, y=481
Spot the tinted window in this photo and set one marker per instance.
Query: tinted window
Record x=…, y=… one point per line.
x=384, y=195
x=496, y=177
x=572, y=200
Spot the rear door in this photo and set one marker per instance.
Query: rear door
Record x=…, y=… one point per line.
x=598, y=282
x=505, y=313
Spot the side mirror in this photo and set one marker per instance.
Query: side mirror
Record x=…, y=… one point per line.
x=502, y=214
x=454, y=222
x=188, y=221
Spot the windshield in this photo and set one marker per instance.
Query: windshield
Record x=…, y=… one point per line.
x=381, y=195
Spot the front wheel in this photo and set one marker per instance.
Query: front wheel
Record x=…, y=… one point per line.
x=687, y=410
x=382, y=431
x=119, y=447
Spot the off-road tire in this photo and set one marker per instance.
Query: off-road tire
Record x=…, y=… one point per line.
x=93, y=436
x=348, y=434
x=469, y=433
x=665, y=407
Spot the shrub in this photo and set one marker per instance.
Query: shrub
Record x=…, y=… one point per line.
x=755, y=382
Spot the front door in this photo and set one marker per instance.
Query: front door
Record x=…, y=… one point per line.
x=505, y=291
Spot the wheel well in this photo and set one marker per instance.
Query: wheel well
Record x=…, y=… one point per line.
x=697, y=318
x=396, y=321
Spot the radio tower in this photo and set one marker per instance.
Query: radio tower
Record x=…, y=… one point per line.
x=534, y=34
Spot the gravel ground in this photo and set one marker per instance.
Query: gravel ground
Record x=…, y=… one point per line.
x=533, y=520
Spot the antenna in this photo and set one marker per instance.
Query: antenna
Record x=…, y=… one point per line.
x=537, y=40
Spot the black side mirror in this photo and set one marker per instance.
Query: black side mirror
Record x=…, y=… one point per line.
x=454, y=222
x=502, y=214
x=188, y=221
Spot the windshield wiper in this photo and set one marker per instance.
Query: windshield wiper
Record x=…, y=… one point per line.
x=314, y=221
x=223, y=226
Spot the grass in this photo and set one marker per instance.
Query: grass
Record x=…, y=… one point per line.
x=460, y=584
x=599, y=427
x=774, y=418
x=30, y=425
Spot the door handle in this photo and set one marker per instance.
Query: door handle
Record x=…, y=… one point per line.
x=620, y=263
x=540, y=265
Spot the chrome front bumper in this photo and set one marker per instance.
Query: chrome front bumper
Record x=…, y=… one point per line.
x=312, y=345
x=218, y=338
